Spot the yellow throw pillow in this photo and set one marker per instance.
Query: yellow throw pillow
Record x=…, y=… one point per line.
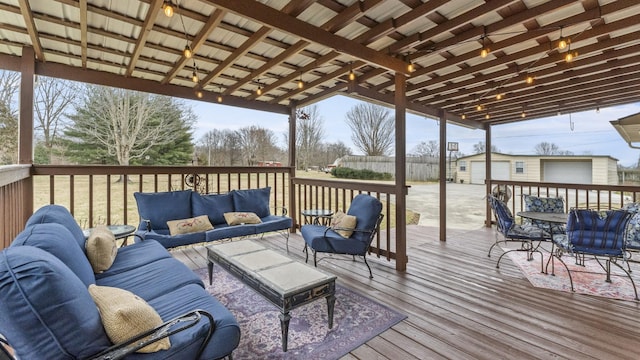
x=190, y=225
x=239, y=218
x=125, y=315
x=101, y=249
x=343, y=224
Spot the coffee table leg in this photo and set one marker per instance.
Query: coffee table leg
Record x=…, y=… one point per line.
x=331, y=301
x=210, y=268
x=284, y=324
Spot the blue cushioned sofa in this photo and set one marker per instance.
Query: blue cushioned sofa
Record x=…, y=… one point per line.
x=46, y=311
x=155, y=209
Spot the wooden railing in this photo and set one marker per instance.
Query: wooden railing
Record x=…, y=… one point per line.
x=15, y=191
x=598, y=197
x=337, y=195
x=104, y=194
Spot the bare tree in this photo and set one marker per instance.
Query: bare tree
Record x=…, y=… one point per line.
x=257, y=144
x=481, y=147
x=309, y=136
x=220, y=147
x=9, y=86
x=430, y=148
x=545, y=148
x=372, y=129
x=52, y=98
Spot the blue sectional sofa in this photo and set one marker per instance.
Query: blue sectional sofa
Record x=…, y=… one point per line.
x=156, y=209
x=47, y=311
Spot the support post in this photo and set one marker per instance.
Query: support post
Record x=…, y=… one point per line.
x=487, y=177
x=401, y=172
x=443, y=180
x=292, y=167
x=25, y=129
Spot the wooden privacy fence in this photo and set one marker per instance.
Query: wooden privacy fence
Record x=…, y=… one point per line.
x=417, y=168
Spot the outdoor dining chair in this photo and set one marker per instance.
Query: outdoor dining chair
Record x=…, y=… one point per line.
x=529, y=236
x=595, y=236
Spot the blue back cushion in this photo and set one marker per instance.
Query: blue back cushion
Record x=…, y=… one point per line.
x=252, y=200
x=58, y=241
x=596, y=230
x=212, y=205
x=59, y=215
x=366, y=209
x=161, y=207
x=46, y=312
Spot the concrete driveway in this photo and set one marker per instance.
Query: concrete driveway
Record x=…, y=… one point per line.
x=466, y=205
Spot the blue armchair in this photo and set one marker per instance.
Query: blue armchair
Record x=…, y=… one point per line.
x=529, y=236
x=595, y=235
x=327, y=239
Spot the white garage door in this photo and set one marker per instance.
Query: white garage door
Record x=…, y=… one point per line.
x=571, y=172
x=500, y=170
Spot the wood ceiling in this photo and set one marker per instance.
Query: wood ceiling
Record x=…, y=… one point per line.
x=241, y=46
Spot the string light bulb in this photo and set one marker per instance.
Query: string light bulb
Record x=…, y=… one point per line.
x=569, y=57
x=479, y=107
x=219, y=98
x=300, y=82
x=194, y=76
x=167, y=8
x=562, y=44
x=352, y=75
x=487, y=117
x=485, y=50
x=259, y=91
x=411, y=68
x=188, y=53
x=523, y=114
x=464, y=116
x=199, y=94
x=499, y=97
x=529, y=80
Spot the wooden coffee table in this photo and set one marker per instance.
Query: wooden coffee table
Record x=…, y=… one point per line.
x=286, y=283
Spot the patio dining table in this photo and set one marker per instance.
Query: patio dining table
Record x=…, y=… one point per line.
x=553, y=219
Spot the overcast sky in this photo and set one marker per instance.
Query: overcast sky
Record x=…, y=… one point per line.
x=591, y=132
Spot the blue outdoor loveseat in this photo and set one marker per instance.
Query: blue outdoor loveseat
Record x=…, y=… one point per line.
x=157, y=209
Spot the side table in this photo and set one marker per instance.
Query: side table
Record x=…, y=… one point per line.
x=119, y=232
x=317, y=216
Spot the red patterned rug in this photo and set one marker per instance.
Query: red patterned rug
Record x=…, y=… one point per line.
x=356, y=320
x=588, y=279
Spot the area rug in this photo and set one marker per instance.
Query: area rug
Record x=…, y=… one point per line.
x=588, y=279
x=356, y=320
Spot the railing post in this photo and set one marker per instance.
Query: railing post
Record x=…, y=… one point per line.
x=25, y=137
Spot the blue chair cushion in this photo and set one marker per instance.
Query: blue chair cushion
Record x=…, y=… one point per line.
x=253, y=200
x=331, y=242
x=46, y=312
x=366, y=209
x=59, y=215
x=212, y=205
x=58, y=241
x=161, y=207
x=230, y=231
x=544, y=204
x=170, y=241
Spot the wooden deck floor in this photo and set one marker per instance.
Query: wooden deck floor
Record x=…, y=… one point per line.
x=460, y=306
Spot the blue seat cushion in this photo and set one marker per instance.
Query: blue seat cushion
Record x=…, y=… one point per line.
x=161, y=207
x=58, y=241
x=252, y=200
x=46, y=312
x=59, y=215
x=184, y=345
x=315, y=237
x=136, y=255
x=170, y=241
x=212, y=205
x=154, y=279
x=366, y=209
x=230, y=231
x=273, y=223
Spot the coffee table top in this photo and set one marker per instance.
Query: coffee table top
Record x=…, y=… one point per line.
x=280, y=273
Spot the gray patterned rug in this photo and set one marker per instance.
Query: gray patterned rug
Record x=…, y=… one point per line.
x=357, y=319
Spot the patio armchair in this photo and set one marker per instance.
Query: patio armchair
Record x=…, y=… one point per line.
x=595, y=236
x=528, y=235
x=331, y=239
